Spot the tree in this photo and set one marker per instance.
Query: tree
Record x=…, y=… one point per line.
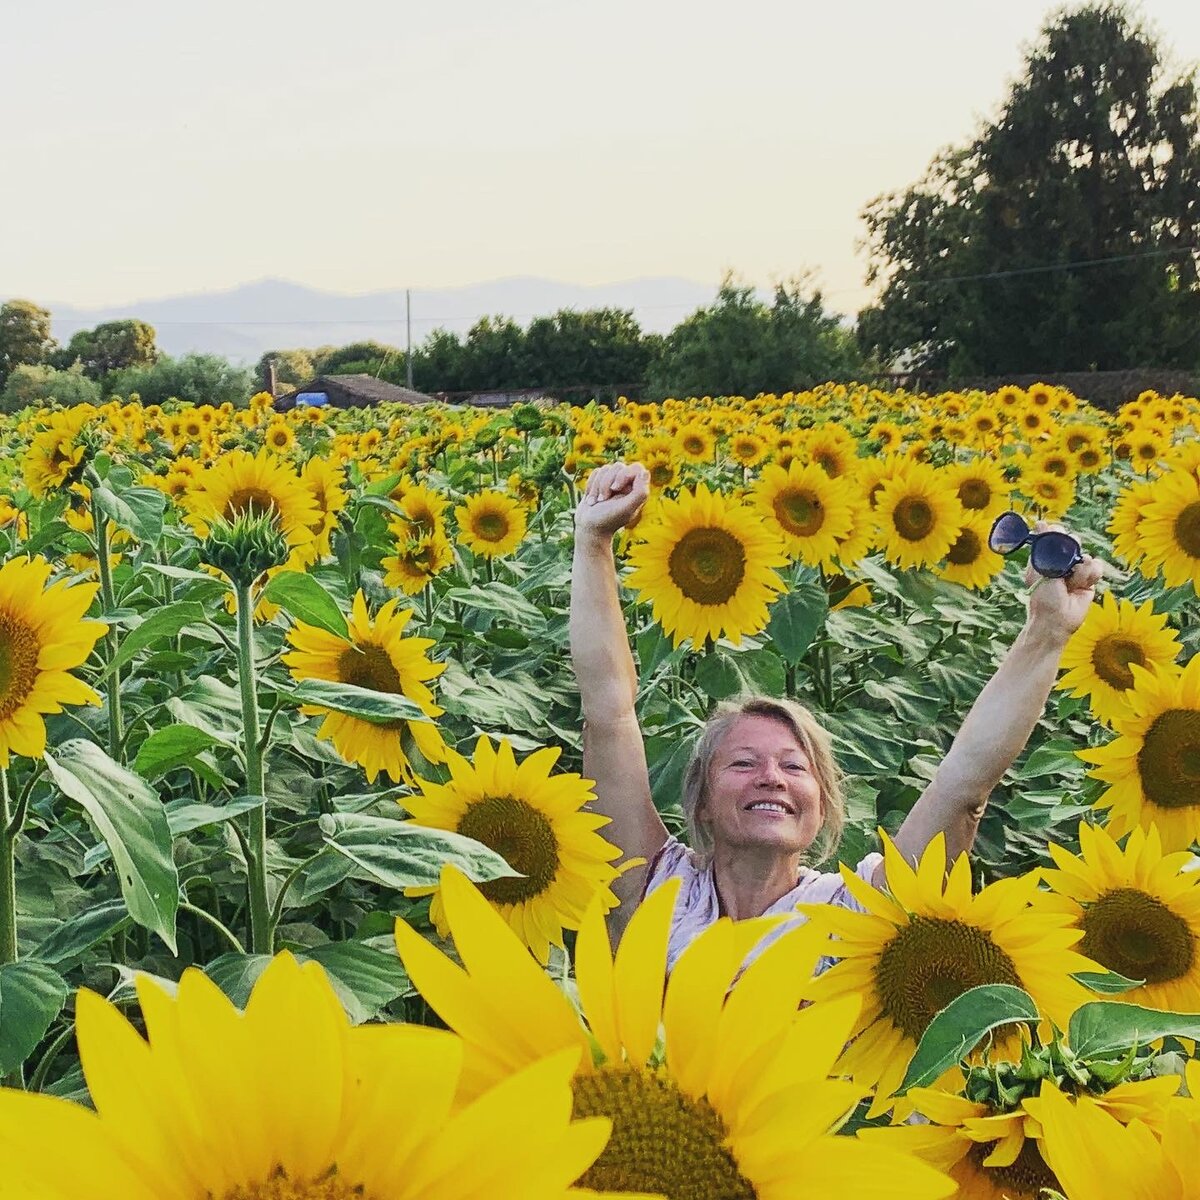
x=739, y=345
x=194, y=378
x=24, y=336
x=356, y=358
x=597, y=346
x=292, y=367
x=111, y=346
x=36, y=383
x=1064, y=236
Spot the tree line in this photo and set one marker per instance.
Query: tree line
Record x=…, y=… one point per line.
x=1063, y=237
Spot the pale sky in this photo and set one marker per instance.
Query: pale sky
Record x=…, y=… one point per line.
x=152, y=148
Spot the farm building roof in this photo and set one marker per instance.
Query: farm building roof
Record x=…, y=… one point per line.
x=354, y=391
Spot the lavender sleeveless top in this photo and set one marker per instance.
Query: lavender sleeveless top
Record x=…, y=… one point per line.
x=698, y=907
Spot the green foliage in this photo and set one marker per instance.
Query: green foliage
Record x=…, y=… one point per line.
x=39, y=384
x=740, y=346
x=111, y=346
x=1093, y=159
x=292, y=367
x=195, y=378
x=24, y=336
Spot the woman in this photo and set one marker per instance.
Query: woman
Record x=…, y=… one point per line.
x=762, y=791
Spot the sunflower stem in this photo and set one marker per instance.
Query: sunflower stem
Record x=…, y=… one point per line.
x=256, y=861
x=9, y=832
x=116, y=731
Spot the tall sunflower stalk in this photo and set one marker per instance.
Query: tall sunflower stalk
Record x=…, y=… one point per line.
x=108, y=597
x=9, y=831
x=244, y=551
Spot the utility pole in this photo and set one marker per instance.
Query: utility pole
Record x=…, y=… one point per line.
x=408, y=345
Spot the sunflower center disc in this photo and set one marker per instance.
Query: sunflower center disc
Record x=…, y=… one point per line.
x=974, y=494
x=1112, y=658
x=522, y=836
x=800, y=513
x=913, y=518
x=1137, y=936
x=1187, y=530
x=1076, y=442
x=369, y=667
x=930, y=962
x=1024, y=1178
x=491, y=526
x=829, y=462
x=662, y=1141
x=18, y=663
x=330, y=1186
x=661, y=473
x=1169, y=760
x=708, y=565
x=966, y=549
x=249, y=502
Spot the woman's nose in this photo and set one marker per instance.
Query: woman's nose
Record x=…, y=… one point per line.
x=769, y=774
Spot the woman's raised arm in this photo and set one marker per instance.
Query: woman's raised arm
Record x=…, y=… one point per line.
x=1001, y=719
x=613, y=752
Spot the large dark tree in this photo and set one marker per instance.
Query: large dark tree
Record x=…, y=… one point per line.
x=24, y=336
x=1065, y=237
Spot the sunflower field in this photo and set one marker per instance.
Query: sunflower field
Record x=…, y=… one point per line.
x=301, y=896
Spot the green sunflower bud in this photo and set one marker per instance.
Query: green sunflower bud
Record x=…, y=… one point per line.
x=246, y=548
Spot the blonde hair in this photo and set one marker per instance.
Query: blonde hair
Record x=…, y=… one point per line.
x=811, y=735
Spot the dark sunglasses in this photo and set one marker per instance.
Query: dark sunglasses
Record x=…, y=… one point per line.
x=1053, y=554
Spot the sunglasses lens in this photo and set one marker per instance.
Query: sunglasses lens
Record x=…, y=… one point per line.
x=1054, y=555
x=1008, y=532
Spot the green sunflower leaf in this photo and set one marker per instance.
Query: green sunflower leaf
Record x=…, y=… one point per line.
x=962, y=1025
x=129, y=817
x=398, y=854
x=302, y=597
x=163, y=623
x=32, y=994
x=796, y=619
x=377, y=707
x=1107, y=1027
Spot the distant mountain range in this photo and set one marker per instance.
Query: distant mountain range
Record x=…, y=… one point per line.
x=273, y=314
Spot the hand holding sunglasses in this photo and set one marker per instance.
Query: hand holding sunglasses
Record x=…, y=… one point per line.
x=1052, y=553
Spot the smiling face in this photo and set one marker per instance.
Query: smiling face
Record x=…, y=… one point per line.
x=762, y=790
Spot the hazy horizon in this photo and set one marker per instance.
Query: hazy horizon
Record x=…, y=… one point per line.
x=156, y=152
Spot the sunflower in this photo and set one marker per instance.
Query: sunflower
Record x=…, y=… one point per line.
x=1139, y=911
x=375, y=656
x=419, y=558
x=970, y=562
x=695, y=443
x=832, y=448
x=43, y=637
x=734, y=1100
x=1169, y=528
x=325, y=485
x=747, y=449
x=918, y=517
x=421, y=506
x=1050, y=494
x=1152, y=766
x=705, y=564
x=1094, y=1156
x=279, y=437
x=239, y=484
x=981, y=487
x=537, y=822
x=996, y=1153
x=1115, y=636
x=925, y=942
x=285, y=1102
x=810, y=510
x=491, y=523
x=55, y=455
x=1125, y=523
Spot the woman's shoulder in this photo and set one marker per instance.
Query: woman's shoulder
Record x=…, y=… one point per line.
x=828, y=887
